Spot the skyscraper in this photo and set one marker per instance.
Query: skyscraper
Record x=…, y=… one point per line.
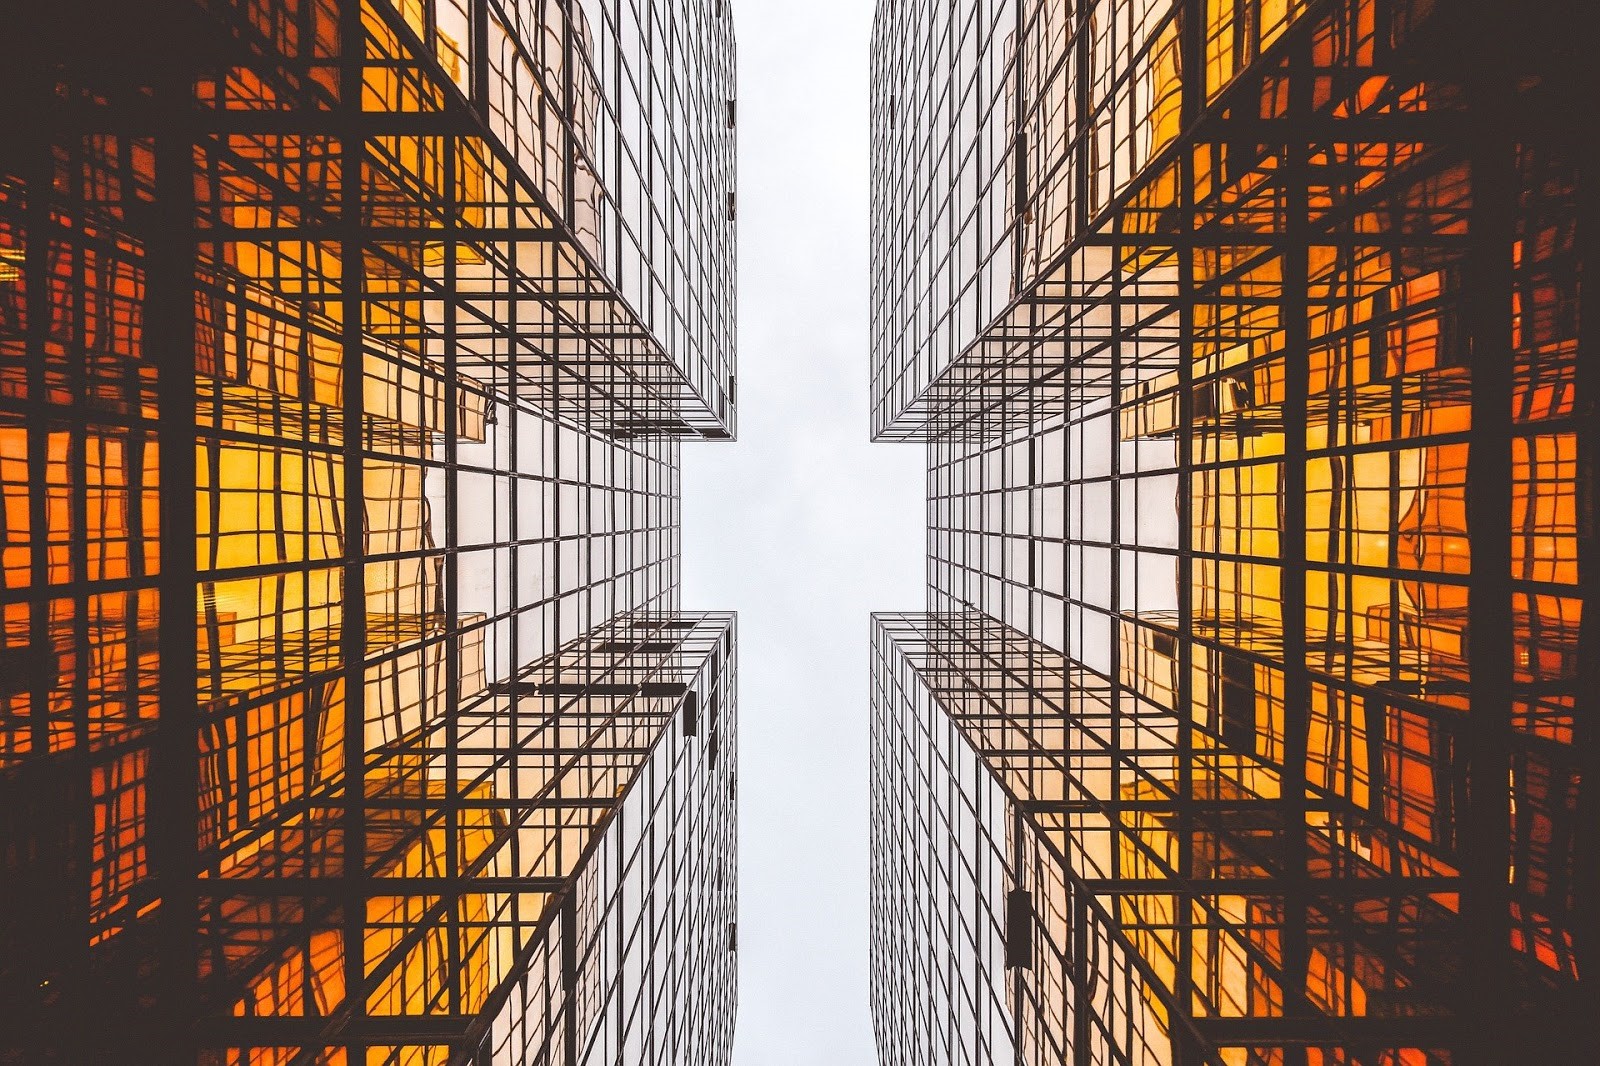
x=1247, y=722
x=348, y=713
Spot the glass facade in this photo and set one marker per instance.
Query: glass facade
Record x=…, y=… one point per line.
x=1246, y=724
x=347, y=710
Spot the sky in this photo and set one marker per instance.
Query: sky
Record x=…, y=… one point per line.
x=804, y=528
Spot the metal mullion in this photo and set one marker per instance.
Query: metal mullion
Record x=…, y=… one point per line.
x=1293, y=566
x=1487, y=991
x=175, y=757
x=451, y=576
x=1586, y=739
x=39, y=184
x=79, y=466
x=513, y=543
x=353, y=625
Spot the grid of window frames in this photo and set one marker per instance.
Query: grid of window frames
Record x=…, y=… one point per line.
x=1281, y=440
x=941, y=831
x=622, y=750
x=997, y=744
x=275, y=615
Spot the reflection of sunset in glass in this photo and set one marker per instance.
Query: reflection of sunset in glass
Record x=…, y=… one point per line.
x=1252, y=405
x=350, y=709
x=412, y=756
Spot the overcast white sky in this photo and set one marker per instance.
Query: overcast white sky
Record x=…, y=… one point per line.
x=804, y=528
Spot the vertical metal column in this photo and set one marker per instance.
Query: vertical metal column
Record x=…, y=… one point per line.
x=175, y=753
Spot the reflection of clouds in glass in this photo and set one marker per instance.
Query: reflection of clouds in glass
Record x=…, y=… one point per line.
x=1215, y=445
x=617, y=494
x=1002, y=511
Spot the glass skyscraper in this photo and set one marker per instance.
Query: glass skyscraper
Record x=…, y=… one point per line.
x=348, y=713
x=1245, y=722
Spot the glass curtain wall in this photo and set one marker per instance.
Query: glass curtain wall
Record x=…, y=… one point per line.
x=1244, y=341
x=347, y=713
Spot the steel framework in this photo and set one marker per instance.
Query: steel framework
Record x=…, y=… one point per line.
x=1249, y=719
x=347, y=712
